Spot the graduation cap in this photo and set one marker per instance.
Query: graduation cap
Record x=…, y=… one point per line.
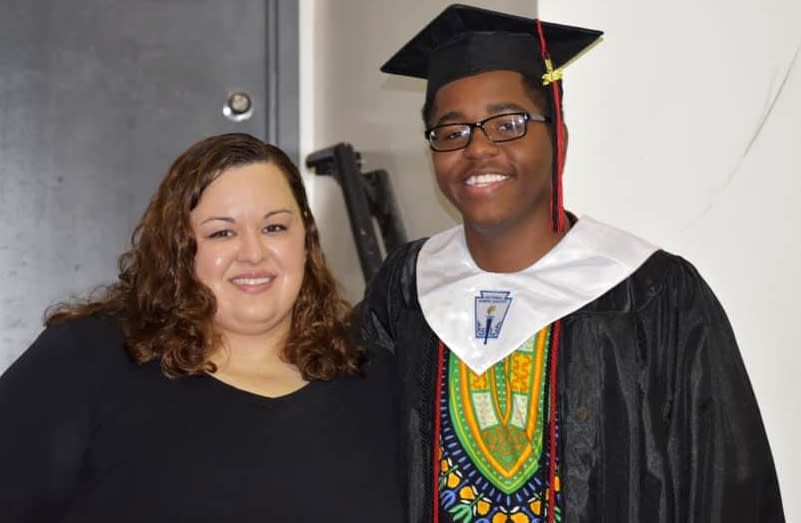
x=464, y=41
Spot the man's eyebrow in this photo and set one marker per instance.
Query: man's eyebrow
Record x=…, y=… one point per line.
x=505, y=106
x=458, y=116
x=453, y=116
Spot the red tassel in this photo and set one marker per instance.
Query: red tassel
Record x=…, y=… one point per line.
x=557, y=327
x=557, y=202
x=437, y=406
x=560, y=157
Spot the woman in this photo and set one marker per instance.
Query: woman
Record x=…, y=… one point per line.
x=215, y=380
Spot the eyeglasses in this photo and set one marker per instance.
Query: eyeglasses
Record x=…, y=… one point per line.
x=499, y=128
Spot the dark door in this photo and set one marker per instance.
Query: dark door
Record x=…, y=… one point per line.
x=96, y=98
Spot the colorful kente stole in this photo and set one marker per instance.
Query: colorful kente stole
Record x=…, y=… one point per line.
x=494, y=438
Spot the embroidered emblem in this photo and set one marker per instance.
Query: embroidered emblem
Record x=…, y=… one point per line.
x=491, y=309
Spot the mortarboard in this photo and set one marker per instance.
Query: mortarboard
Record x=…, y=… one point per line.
x=464, y=41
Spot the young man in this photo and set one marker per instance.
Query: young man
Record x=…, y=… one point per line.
x=551, y=368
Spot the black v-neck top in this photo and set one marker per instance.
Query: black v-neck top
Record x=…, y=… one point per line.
x=86, y=435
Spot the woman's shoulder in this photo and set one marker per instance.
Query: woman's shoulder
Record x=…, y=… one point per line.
x=376, y=373
x=85, y=336
x=79, y=348
x=88, y=327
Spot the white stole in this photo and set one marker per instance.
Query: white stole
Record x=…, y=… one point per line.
x=484, y=316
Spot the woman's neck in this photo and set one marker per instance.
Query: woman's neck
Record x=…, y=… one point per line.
x=255, y=363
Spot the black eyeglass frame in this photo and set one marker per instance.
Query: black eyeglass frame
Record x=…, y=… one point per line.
x=527, y=117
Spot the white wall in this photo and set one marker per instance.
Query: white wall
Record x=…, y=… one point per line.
x=682, y=129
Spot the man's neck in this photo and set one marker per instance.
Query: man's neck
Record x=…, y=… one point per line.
x=510, y=249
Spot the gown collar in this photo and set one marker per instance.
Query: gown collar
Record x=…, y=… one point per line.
x=485, y=316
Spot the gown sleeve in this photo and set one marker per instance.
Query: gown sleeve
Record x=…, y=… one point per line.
x=388, y=291
x=717, y=445
x=45, y=403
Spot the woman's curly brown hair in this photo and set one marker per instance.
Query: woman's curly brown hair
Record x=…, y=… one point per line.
x=166, y=312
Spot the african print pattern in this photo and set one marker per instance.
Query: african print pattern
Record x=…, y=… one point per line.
x=493, y=448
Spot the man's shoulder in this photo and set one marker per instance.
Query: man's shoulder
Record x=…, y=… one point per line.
x=662, y=276
x=404, y=255
x=390, y=298
x=397, y=273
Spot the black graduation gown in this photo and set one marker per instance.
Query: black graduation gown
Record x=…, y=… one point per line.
x=657, y=416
